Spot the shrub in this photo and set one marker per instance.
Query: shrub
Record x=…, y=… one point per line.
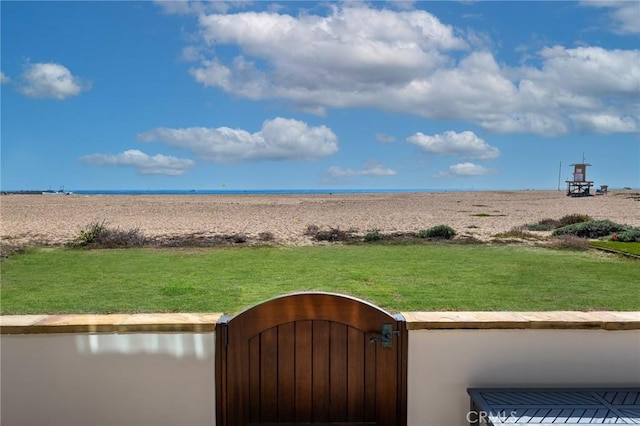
x=99, y=235
x=544, y=225
x=551, y=224
x=630, y=236
x=570, y=219
x=439, y=231
x=239, y=238
x=200, y=240
x=570, y=242
x=266, y=236
x=333, y=235
x=520, y=233
x=373, y=236
x=7, y=250
x=591, y=229
x=92, y=233
x=311, y=230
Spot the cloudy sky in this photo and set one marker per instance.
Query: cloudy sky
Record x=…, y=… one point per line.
x=306, y=95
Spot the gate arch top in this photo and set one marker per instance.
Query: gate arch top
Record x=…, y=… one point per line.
x=334, y=307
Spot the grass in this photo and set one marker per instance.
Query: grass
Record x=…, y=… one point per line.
x=631, y=248
x=395, y=277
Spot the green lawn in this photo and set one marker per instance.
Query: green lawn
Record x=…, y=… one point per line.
x=631, y=248
x=395, y=277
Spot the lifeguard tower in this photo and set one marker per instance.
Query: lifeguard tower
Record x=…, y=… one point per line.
x=579, y=186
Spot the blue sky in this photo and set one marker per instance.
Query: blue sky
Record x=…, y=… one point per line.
x=305, y=95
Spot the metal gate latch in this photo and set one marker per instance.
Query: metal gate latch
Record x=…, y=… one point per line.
x=386, y=337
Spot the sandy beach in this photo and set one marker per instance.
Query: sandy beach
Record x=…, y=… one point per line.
x=56, y=219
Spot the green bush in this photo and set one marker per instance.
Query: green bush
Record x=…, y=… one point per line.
x=591, y=229
x=373, y=236
x=551, y=224
x=570, y=219
x=439, y=231
x=544, y=225
x=92, y=234
x=630, y=236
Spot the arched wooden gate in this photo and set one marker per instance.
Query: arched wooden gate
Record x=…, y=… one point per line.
x=311, y=358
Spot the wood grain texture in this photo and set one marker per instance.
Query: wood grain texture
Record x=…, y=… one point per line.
x=309, y=358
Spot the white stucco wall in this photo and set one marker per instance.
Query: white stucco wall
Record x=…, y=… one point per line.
x=107, y=379
x=442, y=364
x=154, y=379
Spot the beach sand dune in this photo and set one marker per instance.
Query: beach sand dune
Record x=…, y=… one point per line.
x=29, y=219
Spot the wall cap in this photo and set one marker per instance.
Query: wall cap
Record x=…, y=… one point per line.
x=108, y=323
x=205, y=322
x=599, y=320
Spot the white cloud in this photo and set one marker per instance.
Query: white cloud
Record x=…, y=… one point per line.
x=280, y=139
x=4, y=78
x=574, y=83
x=410, y=62
x=465, y=145
x=50, y=80
x=605, y=123
x=466, y=170
x=145, y=164
x=187, y=7
x=548, y=124
x=624, y=14
x=402, y=4
x=594, y=71
x=351, y=49
x=627, y=15
x=373, y=169
x=190, y=54
x=177, y=7
x=381, y=137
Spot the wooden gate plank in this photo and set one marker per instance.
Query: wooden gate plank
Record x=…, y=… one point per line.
x=356, y=384
x=286, y=373
x=269, y=375
x=254, y=379
x=386, y=384
x=238, y=403
x=370, y=365
x=338, y=369
x=303, y=370
x=321, y=371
